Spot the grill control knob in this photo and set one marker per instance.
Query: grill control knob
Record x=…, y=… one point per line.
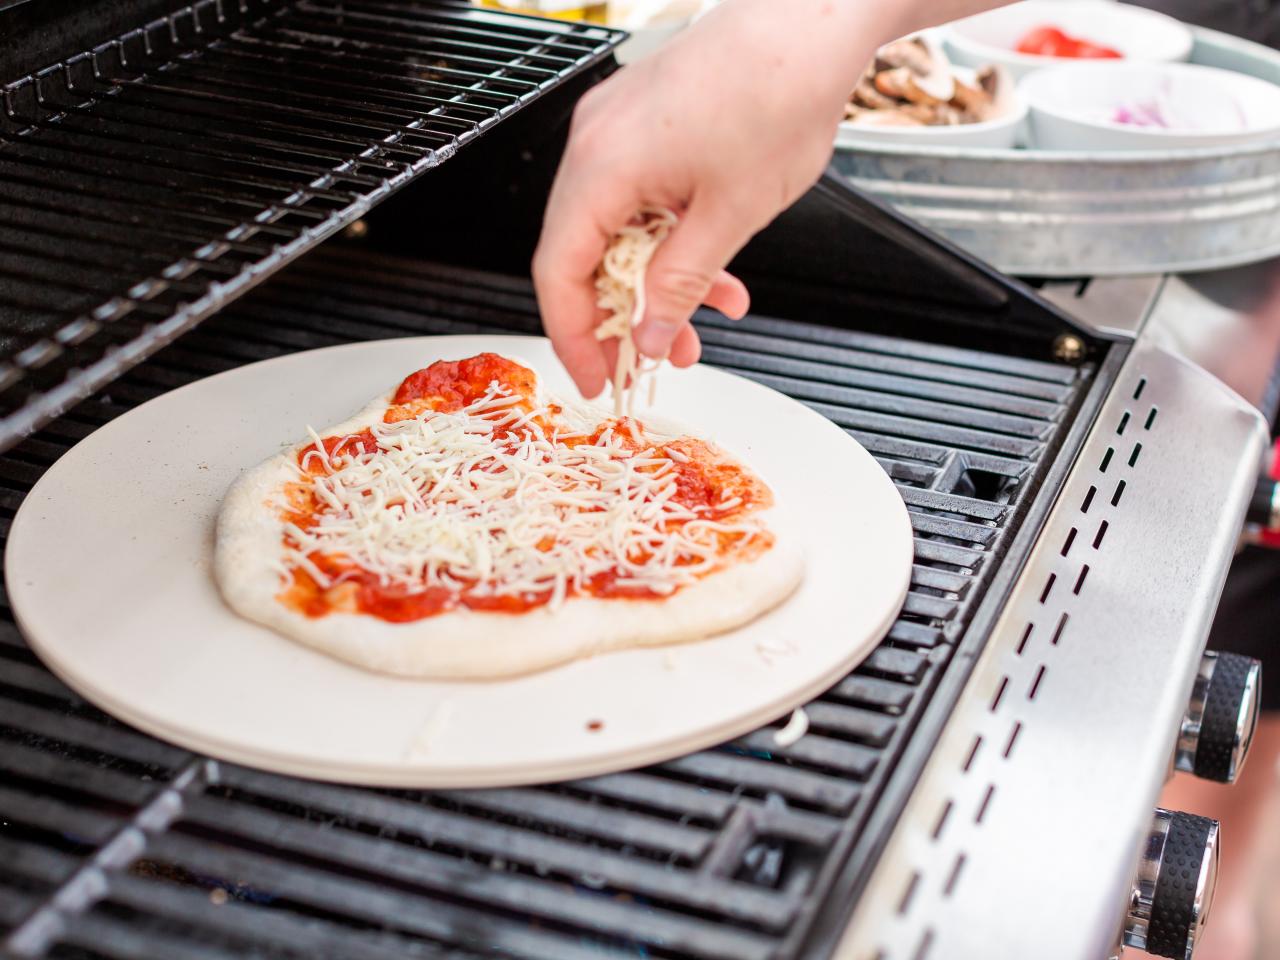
x=1218, y=726
x=1174, y=887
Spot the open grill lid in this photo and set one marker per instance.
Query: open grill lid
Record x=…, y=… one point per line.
x=153, y=177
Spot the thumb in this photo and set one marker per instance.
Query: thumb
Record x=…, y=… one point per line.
x=681, y=274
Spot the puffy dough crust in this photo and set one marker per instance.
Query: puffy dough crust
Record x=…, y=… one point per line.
x=479, y=645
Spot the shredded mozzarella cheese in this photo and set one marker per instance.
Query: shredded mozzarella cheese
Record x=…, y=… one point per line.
x=795, y=729
x=491, y=499
x=620, y=290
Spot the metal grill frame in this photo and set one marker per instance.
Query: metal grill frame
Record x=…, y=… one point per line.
x=781, y=812
x=164, y=89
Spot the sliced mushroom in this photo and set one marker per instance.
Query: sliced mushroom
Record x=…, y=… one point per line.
x=912, y=53
x=998, y=84
x=900, y=82
x=939, y=81
x=972, y=100
x=865, y=94
x=911, y=82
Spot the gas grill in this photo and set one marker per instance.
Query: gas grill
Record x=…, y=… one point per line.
x=1075, y=492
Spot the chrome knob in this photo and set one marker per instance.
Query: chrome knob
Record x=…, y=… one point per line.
x=1173, y=891
x=1220, y=719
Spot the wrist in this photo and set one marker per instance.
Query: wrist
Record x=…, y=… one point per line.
x=824, y=45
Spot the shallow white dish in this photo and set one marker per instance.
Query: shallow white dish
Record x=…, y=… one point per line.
x=1003, y=133
x=1141, y=35
x=1075, y=107
x=147, y=637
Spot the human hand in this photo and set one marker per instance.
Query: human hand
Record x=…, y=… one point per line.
x=727, y=125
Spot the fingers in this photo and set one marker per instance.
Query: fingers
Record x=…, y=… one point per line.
x=729, y=295
x=682, y=274
x=687, y=348
x=576, y=231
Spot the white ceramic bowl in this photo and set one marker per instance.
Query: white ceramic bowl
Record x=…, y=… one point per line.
x=1076, y=107
x=999, y=134
x=1140, y=34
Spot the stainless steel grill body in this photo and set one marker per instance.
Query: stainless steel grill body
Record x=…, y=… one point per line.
x=1039, y=794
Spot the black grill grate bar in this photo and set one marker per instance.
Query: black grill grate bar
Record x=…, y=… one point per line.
x=466, y=73
x=889, y=385
x=31, y=862
x=824, y=755
x=99, y=784
x=86, y=146
x=226, y=177
x=220, y=923
x=381, y=86
x=156, y=110
x=977, y=361
x=109, y=740
x=730, y=771
x=95, y=935
x=60, y=219
x=731, y=900
x=75, y=823
x=27, y=191
x=159, y=124
x=382, y=902
x=932, y=411
x=761, y=337
x=585, y=818
x=15, y=904
x=92, y=251
x=184, y=91
x=464, y=895
x=198, y=197
x=281, y=47
x=303, y=101
x=939, y=434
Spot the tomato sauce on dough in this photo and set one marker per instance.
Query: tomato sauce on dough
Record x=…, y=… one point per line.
x=704, y=479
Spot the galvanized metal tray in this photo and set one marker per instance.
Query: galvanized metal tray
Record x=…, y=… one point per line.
x=1058, y=214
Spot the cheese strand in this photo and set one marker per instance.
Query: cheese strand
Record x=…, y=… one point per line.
x=491, y=499
x=620, y=282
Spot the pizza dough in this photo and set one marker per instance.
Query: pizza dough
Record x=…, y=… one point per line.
x=462, y=643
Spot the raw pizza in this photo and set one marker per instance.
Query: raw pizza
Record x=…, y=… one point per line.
x=469, y=526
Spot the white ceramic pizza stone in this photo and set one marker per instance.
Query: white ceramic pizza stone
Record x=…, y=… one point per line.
x=142, y=631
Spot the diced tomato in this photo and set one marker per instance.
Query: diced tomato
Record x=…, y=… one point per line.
x=1051, y=42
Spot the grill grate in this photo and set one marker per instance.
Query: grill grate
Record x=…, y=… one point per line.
x=148, y=182
x=116, y=845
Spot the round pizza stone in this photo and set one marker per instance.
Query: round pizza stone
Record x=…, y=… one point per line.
x=109, y=574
